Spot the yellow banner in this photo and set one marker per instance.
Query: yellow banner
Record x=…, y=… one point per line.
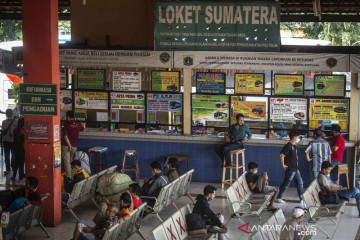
x=289, y=84
x=249, y=83
x=329, y=109
x=165, y=81
x=249, y=109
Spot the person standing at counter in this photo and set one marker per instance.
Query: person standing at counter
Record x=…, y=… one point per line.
x=337, y=145
x=239, y=133
x=289, y=162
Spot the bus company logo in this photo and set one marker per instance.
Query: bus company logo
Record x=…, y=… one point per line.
x=188, y=60
x=331, y=62
x=164, y=57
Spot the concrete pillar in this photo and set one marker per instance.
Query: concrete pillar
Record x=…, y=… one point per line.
x=187, y=101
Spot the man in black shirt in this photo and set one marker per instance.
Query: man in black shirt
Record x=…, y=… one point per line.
x=289, y=162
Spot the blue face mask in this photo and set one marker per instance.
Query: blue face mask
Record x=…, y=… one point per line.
x=210, y=199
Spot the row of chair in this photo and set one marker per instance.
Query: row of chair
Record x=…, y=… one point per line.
x=271, y=228
x=170, y=193
x=23, y=219
x=127, y=228
x=85, y=190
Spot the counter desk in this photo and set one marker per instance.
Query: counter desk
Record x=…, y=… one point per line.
x=201, y=150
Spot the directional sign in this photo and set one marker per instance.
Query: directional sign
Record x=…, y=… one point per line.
x=38, y=99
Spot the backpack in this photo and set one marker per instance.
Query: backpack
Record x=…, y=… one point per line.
x=328, y=198
x=84, y=159
x=68, y=184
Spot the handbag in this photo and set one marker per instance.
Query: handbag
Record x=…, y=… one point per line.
x=328, y=198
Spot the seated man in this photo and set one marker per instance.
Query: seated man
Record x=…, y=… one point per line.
x=84, y=232
x=123, y=214
x=134, y=190
x=173, y=173
x=327, y=185
x=291, y=229
x=152, y=187
x=33, y=196
x=202, y=207
x=259, y=184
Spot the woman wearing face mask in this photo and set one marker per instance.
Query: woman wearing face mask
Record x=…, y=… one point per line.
x=289, y=162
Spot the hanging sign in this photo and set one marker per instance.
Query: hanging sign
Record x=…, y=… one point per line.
x=249, y=83
x=329, y=85
x=217, y=26
x=127, y=101
x=162, y=81
x=126, y=81
x=90, y=79
x=91, y=100
x=288, y=109
x=289, y=84
x=210, y=82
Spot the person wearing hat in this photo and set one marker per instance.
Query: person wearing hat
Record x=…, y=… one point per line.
x=292, y=228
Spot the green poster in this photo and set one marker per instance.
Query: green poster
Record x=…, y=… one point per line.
x=91, y=79
x=217, y=26
x=210, y=108
x=330, y=85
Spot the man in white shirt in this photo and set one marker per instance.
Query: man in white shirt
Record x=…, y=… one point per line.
x=7, y=128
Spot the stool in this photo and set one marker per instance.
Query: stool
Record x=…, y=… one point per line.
x=341, y=169
x=97, y=153
x=236, y=167
x=180, y=158
x=131, y=168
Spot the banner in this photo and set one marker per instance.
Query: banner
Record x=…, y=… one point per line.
x=328, y=62
x=288, y=109
x=91, y=100
x=289, y=84
x=329, y=109
x=63, y=77
x=113, y=59
x=127, y=101
x=217, y=26
x=80, y=114
x=246, y=83
x=250, y=109
x=126, y=81
x=65, y=100
x=210, y=82
x=210, y=108
x=163, y=103
x=90, y=79
x=165, y=81
x=330, y=85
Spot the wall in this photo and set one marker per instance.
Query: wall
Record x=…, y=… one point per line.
x=129, y=23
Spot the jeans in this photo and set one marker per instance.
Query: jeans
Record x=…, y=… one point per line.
x=335, y=162
x=289, y=176
x=351, y=193
x=9, y=147
x=19, y=161
x=224, y=151
x=313, y=175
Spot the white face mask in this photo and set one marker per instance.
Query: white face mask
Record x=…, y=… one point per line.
x=153, y=173
x=255, y=172
x=328, y=175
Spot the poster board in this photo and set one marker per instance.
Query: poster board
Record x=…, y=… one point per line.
x=91, y=79
x=157, y=102
x=37, y=130
x=329, y=85
x=329, y=109
x=289, y=84
x=207, y=82
x=80, y=114
x=66, y=103
x=63, y=77
x=126, y=81
x=91, y=100
x=163, y=81
x=210, y=108
x=249, y=83
x=127, y=101
x=250, y=109
x=294, y=109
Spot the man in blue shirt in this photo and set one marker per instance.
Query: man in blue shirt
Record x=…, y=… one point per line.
x=239, y=133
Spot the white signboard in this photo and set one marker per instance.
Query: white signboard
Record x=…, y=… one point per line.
x=65, y=100
x=262, y=61
x=110, y=58
x=126, y=81
x=288, y=109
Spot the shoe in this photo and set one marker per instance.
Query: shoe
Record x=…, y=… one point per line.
x=279, y=200
x=301, y=203
x=6, y=172
x=219, y=229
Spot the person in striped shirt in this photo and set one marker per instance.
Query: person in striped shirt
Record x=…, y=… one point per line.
x=317, y=152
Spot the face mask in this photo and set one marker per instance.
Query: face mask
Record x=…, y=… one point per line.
x=153, y=173
x=210, y=199
x=328, y=175
x=255, y=172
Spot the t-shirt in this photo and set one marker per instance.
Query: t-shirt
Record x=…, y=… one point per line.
x=340, y=143
x=326, y=181
x=10, y=124
x=72, y=130
x=319, y=150
x=136, y=203
x=290, y=230
x=291, y=157
x=123, y=212
x=252, y=178
x=241, y=133
x=34, y=197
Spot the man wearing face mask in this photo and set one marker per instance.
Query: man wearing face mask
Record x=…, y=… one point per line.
x=291, y=229
x=8, y=127
x=289, y=162
x=327, y=185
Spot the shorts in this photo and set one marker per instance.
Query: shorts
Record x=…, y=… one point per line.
x=267, y=187
x=84, y=236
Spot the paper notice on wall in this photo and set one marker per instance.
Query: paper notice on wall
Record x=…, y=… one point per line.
x=102, y=116
x=126, y=81
x=288, y=109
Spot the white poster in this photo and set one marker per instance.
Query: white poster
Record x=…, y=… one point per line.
x=288, y=109
x=110, y=58
x=126, y=81
x=262, y=61
x=65, y=100
x=102, y=116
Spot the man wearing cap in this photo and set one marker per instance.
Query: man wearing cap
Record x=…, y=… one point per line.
x=291, y=230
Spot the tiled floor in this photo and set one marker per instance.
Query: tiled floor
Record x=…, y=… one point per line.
x=346, y=229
